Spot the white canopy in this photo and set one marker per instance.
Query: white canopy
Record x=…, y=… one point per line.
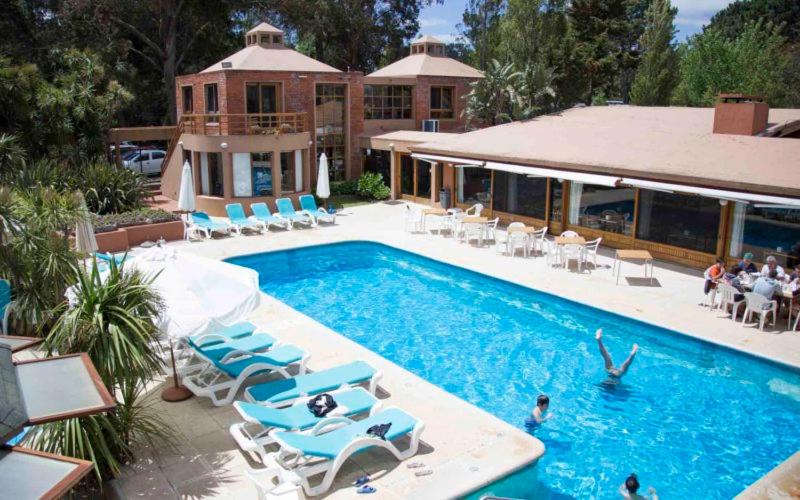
x=201, y=294
x=458, y=162
x=186, y=193
x=323, y=182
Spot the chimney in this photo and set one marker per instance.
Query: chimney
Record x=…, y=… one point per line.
x=740, y=114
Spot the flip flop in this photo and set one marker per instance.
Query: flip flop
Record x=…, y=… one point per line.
x=426, y=472
x=366, y=489
x=362, y=480
x=415, y=465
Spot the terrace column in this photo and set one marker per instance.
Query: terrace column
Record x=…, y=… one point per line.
x=432, y=166
x=276, y=174
x=392, y=172
x=227, y=175
x=196, y=173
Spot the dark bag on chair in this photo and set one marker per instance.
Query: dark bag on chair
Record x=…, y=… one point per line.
x=321, y=405
x=379, y=431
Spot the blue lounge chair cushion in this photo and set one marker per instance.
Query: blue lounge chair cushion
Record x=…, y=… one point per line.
x=307, y=202
x=107, y=257
x=311, y=383
x=286, y=209
x=256, y=342
x=235, y=331
x=262, y=213
x=330, y=444
x=299, y=417
x=203, y=220
x=236, y=215
x=280, y=356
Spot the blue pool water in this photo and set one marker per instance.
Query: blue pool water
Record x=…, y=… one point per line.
x=692, y=419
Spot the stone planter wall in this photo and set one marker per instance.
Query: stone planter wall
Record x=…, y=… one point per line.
x=124, y=238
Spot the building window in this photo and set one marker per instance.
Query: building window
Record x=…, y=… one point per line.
x=291, y=171
x=406, y=175
x=387, y=102
x=276, y=39
x=188, y=99
x=252, y=174
x=442, y=103
x=379, y=162
x=264, y=39
x=212, y=101
x=556, y=200
x=679, y=220
x=423, y=179
x=600, y=207
x=211, y=174
x=330, y=127
x=519, y=194
x=765, y=231
x=473, y=184
x=261, y=99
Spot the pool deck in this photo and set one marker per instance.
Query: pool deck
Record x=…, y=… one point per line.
x=464, y=446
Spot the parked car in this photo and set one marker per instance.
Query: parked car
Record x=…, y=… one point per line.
x=146, y=161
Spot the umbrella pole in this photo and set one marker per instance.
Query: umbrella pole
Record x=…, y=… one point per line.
x=176, y=392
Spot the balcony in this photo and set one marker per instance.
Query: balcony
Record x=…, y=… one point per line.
x=244, y=124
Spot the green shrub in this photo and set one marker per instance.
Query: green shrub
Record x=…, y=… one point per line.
x=138, y=217
x=108, y=189
x=371, y=186
x=343, y=188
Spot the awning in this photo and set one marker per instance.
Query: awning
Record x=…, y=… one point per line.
x=597, y=179
x=448, y=159
x=720, y=194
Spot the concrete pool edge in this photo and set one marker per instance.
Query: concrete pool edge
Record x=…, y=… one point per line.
x=784, y=363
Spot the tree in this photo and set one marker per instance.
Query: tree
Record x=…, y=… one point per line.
x=480, y=28
x=753, y=63
x=535, y=90
x=493, y=99
x=657, y=74
x=733, y=19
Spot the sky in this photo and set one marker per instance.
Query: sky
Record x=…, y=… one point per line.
x=442, y=20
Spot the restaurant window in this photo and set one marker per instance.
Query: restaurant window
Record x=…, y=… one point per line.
x=261, y=98
x=379, y=162
x=519, y=194
x=330, y=127
x=212, y=101
x=291, y=171
x=765, y=231
x=211, y=174
x=188, y=99
x=387, y=102
x=600, y=207
x=679, y=220
x=423, y=179
x=406, y=175
x=556, y=199
x=473, y=184
x=252, y=174
x=442, y=103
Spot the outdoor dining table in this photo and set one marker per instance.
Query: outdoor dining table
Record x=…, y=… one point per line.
x=786, y=295
x=482, y=221
x=562, y=241
x=623, y=255
x=436, y=211
x=527, y=231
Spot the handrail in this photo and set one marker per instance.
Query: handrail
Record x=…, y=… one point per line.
x=244, y=123
x=173, y=142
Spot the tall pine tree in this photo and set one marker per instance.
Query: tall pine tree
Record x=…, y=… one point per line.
x=657, y=75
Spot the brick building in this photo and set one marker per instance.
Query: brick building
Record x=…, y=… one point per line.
x=254, y=124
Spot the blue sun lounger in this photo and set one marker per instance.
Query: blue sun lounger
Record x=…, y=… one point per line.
x=308, y=205
x=303, y=455
x=202, y=222
x=284, y=392
x=287, y=211
x=240, y=221
x=235, y=331
x=219, y=379
x=253, y=434
x=262, y=213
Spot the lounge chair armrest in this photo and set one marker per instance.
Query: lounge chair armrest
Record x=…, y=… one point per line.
x=235, y=354
x=336, y=421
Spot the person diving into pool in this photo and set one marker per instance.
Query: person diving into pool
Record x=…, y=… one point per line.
x=614, y=372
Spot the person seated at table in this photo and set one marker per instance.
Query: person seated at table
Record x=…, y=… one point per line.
x=772, y=265
x=747, y=263
x=713, y=275
x=733, y=278
x=768, y=286
x=614, y=372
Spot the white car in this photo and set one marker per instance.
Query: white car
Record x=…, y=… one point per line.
x=145, y=161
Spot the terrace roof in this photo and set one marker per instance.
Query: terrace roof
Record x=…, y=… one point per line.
x=274, y=58
x=670, y=144
x=427, y=65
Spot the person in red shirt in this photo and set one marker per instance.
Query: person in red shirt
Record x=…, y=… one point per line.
x=713, y=275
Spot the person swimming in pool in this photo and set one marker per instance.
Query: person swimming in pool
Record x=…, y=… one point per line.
x=613, y=371
x=630, y=490
x=538, y=414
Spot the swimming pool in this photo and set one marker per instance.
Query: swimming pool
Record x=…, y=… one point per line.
x=689, y=417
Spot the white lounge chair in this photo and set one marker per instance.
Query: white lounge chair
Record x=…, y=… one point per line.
x=759, y=305
x=253, y=434
x=308, y=205
x=307, y=454
x=220, y=379
x=240, y=222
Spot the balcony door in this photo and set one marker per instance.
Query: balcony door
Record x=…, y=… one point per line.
x=262, y=99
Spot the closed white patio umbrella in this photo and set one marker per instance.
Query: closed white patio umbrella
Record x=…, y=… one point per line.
x=186, y=193
x=323, y=183
x=85, y=242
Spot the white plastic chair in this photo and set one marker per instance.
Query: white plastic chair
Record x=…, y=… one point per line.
x=569, y=234
x=572, y=252
x=413, y=220
x=590, y=250
x=515, y=239
x=758, y=304
x=474, y=211
x=537, y=241
x=491, y=229
x=727, y=297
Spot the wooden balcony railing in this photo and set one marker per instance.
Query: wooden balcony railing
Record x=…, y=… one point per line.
x=245, y=124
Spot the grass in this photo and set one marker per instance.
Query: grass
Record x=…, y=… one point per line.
x=347, y=200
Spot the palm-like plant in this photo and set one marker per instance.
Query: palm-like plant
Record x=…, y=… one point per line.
x=113, y=319
x=492, y=99
x=536, y=89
